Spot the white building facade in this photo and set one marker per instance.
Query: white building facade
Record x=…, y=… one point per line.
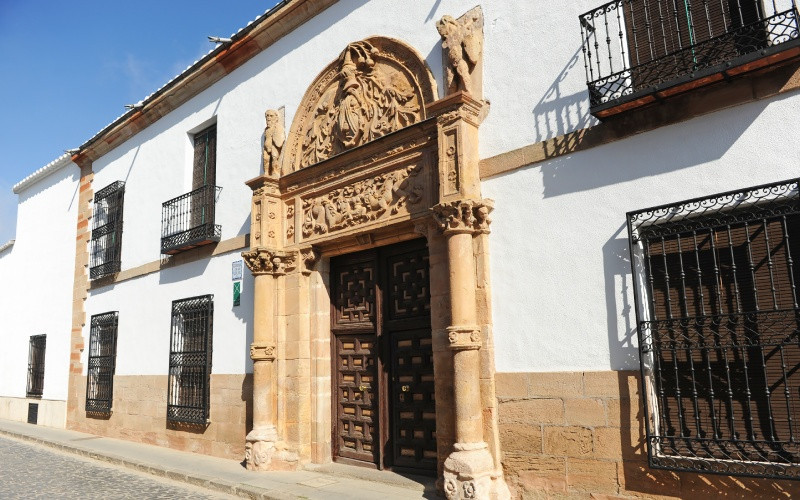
x=507, y=253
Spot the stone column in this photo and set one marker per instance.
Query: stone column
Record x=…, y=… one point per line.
x=469, y=471
x=262, y=441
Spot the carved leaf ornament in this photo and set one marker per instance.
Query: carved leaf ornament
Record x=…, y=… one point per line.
x=375, y=87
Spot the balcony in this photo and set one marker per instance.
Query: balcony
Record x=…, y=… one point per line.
x=188, y=220
x=637, y=52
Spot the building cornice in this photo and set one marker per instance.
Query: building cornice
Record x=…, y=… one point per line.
x=54, y=166
x=8, y=244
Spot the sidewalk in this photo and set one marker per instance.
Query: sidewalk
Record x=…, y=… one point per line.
x=331, y=481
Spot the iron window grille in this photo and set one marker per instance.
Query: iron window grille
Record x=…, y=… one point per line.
x=106, y=243
x=36, y=350
x=636, y=47
x=719, y=331
x=188, y=220
x=190, y=360
x=102, y=361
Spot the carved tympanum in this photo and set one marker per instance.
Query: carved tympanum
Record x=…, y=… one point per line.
x=274, y=137
x=462, y=45
x=375, y=87
x=364, y=201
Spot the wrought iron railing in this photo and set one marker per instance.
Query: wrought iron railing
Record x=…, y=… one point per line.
x=106, y=243
x=635, y=47
x=101, y=362
x=188, y=220
x=36, y=350
x=715, y=284
x=190, y=351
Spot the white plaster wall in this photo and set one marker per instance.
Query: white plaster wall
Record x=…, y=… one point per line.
x=145, y=307
x=539, y=92
x=561, y=276
x=36, y=280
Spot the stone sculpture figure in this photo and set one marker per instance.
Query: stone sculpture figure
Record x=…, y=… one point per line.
x=274, y=138
x=462, y=44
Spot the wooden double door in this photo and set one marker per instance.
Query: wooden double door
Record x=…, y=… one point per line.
x=383, y=388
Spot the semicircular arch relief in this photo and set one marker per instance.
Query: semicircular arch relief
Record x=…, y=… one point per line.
x=375, y=86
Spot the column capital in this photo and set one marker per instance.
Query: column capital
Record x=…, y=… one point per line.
x=261, y=260
x=463, y=216
x=262, y=351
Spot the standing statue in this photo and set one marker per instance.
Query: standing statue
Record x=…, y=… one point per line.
x=273, y=143
x=462, y=44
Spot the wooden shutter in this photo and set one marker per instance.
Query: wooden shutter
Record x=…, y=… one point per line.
x=205, y=158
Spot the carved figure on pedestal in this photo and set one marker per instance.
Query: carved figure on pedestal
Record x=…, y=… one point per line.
x=274, y=138
x=462, y=43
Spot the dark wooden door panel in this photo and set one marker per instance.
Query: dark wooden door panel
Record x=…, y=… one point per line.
x=357, y=430
x=413, y=400
x=384, y=401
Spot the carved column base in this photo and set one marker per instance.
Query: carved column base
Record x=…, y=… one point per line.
x=263, y=451
x=469, y=473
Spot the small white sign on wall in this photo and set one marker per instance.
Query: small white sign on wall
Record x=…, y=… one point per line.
x=236, y=270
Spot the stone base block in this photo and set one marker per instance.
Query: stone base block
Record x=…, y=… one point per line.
x=264, y=452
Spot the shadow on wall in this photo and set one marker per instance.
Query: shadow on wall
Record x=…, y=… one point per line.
x=668, y=149
x=556, y=115
x=622, y=339
x=636, y=476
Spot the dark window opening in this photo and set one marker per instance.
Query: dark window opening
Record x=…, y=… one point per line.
x=106, y=243
x=36, y=366
x=719, y=331
x=190, y=360
x=101, y=363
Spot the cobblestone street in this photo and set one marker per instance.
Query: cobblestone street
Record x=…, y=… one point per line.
x=29, y=471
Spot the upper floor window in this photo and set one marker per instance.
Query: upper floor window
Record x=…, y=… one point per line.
x=107, y=230
x=187, y=221
x=638, y=50
x=190, y=359
x=36, y=349
x=101, y=363
x=715, y=281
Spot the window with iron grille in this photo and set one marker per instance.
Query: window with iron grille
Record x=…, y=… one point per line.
x=107, y=230
x=102, y=360
x=188, y=221
x=190, y=360
x=719, y=331
x=36, y=366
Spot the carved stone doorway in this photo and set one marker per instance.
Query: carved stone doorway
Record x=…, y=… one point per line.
x=382, y=360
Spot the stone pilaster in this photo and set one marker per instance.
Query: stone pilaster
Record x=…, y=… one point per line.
x=263, y=444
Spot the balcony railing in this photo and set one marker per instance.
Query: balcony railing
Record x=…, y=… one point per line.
x=636, y=48
x=188, y=220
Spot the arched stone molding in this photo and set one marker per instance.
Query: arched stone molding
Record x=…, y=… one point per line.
x=376, y=86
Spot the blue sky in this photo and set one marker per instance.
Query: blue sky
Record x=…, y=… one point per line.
x=69, y=67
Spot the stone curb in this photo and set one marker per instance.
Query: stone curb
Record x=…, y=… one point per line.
x=207, y=482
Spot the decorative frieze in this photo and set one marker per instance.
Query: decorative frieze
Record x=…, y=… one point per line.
x=265, y=261
x=262, y=352
x=463, y=216
x=367, y=200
